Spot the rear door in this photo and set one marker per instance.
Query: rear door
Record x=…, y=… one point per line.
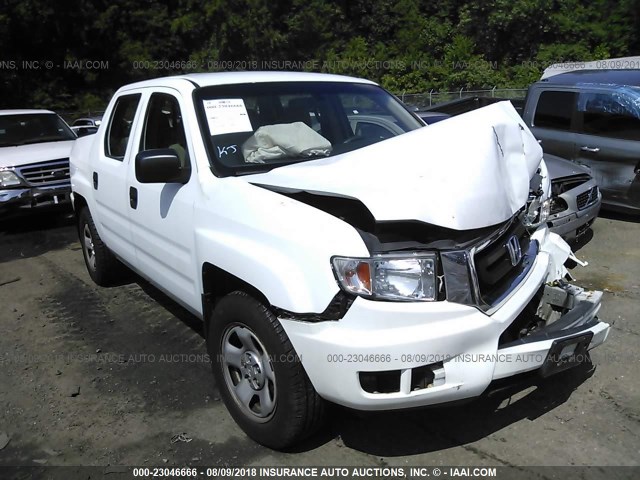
x=162, y=213
x=608, y=141
x=110, y=177
x=551, y=113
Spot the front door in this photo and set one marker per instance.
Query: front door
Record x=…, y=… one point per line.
x=552, y=121
x=162, y=213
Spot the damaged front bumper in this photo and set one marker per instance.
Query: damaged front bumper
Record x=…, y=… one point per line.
x=388, y=355
x=562, y=343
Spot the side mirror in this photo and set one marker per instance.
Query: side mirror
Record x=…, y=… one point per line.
x=84, y=131
x=161, y=166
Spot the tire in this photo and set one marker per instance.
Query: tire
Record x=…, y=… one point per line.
x=103, y=267
x=275, y=403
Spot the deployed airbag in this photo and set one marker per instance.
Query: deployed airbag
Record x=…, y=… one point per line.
x=284, y=140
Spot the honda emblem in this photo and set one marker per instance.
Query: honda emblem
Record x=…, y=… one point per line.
x=515, y=252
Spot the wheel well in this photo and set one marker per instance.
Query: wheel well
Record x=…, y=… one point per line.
x=79, y=203
x=216, y=283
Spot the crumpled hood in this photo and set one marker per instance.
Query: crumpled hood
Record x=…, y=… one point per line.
x=36, y=152
x=471, y=171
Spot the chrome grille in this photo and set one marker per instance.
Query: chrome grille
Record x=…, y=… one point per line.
x=484, y=275
x=46, y=173
x=587, y=198
x=564, y=184
x=495, y=265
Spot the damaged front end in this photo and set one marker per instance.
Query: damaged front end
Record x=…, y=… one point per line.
x=550, y=329
x=461, y=272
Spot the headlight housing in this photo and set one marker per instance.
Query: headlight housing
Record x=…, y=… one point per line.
x=537, y=212
x=9, y=179
x=409, y=277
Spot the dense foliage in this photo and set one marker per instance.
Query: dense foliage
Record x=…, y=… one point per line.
x=73, y=55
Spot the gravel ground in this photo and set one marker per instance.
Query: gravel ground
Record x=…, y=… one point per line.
x=113, y=376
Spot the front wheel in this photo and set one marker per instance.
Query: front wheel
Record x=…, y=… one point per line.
x=259, y=375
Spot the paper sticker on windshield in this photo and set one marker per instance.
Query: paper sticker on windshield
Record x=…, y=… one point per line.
x=227, y=116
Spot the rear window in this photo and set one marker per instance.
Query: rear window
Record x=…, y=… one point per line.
x=250, y=128
x=555, y=110
x=613, y=114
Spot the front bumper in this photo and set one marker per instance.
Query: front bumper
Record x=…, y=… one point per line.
x=22, y=199
x=573, y=222
x=456, y=350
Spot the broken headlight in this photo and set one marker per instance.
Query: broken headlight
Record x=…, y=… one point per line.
x=538, y=207
x=537, y=212
x=389, y=277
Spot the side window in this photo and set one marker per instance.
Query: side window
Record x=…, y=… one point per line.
x=371, y=130
x=120, y=126
x=554, y=110
x=163, y=127
x=611, y=115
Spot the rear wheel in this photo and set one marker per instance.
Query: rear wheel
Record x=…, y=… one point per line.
x=103, y=267
x=259, y=375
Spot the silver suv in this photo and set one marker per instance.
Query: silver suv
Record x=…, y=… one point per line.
x=34, y=160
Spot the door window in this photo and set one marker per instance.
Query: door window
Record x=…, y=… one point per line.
x=120, y=126
x=555, y=110
x=163, y=126
x=371, y=130
x=610, y=114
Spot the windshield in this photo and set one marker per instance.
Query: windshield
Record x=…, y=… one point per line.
x=252, y=128
x=24, y=129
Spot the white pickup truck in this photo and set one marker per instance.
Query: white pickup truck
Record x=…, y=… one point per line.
x=328, y=261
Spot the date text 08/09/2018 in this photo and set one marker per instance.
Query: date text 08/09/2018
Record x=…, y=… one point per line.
x=315, y=472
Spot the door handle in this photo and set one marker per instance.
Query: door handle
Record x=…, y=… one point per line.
x=637, y=169
x=133, y=197
x=95, y=180
x=590, y=149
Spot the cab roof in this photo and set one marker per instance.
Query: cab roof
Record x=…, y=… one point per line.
x=228, y=78
x=613, y=77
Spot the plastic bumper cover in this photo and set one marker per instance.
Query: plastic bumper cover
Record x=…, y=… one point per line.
x=572, y=223
x=459, y=343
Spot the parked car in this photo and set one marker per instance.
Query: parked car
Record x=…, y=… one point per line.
x=432, y=117
x=86, y=126
x=34, y=160
x=576, y=198
x=592, y=117
x=330, y=265
x=87, y=122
